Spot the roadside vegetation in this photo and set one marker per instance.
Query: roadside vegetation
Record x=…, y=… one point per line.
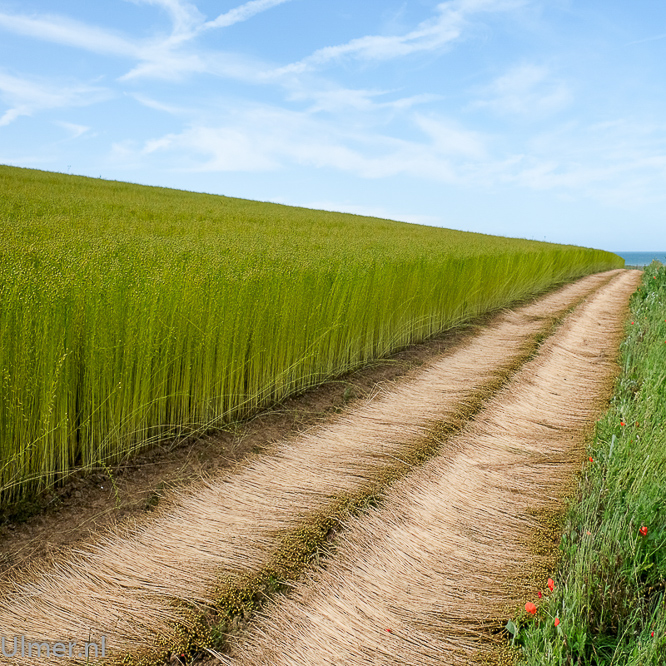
x=129, y=314
x=608, y=606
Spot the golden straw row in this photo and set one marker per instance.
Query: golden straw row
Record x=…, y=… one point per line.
x=423, y=578
x=124, y=585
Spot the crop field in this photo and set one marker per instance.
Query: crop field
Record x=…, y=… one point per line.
x=131, y=313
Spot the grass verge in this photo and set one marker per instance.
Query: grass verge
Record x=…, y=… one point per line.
x=609, y=603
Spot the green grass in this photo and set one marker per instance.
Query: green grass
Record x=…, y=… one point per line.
x=611, y=585
x=130, y=313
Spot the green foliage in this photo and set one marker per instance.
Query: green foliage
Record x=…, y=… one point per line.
x=612, y=584
x=130, y=313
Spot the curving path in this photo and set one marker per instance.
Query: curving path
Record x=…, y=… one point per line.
x=423, y=579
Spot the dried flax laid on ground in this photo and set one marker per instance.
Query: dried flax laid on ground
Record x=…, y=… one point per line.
x=125, y=585
x=423, y=578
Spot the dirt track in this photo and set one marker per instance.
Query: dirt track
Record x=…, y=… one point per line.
x=123, y=586
x=426, y=576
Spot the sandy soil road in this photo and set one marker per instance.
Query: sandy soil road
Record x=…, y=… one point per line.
x=425, y=577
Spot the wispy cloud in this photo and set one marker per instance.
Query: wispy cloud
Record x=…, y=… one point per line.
x=75, y=131
x=177, y=55
x=617, y=162
x=329, y=98
x=434, y=33
x=223, y=148
x=151, y=103
x=66, y=31
x=25, y=97
x=242, y=13
x=167, y=60
x=185, y=16
x=654, y=38
x=525, y=89
x=162, y=62
x=611, y=162
x=265, y=138
x=170, y=56
x=449, y=138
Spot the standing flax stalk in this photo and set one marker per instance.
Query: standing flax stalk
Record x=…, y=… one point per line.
x=129, y=314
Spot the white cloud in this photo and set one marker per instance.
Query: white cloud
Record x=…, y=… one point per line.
x=243, y=13
x=450, y=139
x=331, y=99
x=11, y=115
x=335, y=100
x=526, y=90
x=264, y=138
x=163, y=57
x=166, y=59
x=616, y=162
x=162, y=62
x=151, y=103
x=70, y=33
x=185, y=16
x=223, y=148
x=74, y=130
x=610, y=162
x=174, y=56
x=157, y=57
x=432, y=34
x=26, y=97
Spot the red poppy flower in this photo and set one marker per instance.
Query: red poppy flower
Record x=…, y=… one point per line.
x=652, y=634
x=622, y=423
x=540, y=595
x=591, y=459
x=530, y=608
x=557, y=621
x=551, y=584
x=643, y=530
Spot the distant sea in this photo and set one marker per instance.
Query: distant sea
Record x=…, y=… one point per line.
x=641, y=258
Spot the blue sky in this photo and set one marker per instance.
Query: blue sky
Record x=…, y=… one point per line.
x=527, y=118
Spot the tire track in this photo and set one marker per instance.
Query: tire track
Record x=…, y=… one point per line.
x=424, y=578
x=126, y=585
